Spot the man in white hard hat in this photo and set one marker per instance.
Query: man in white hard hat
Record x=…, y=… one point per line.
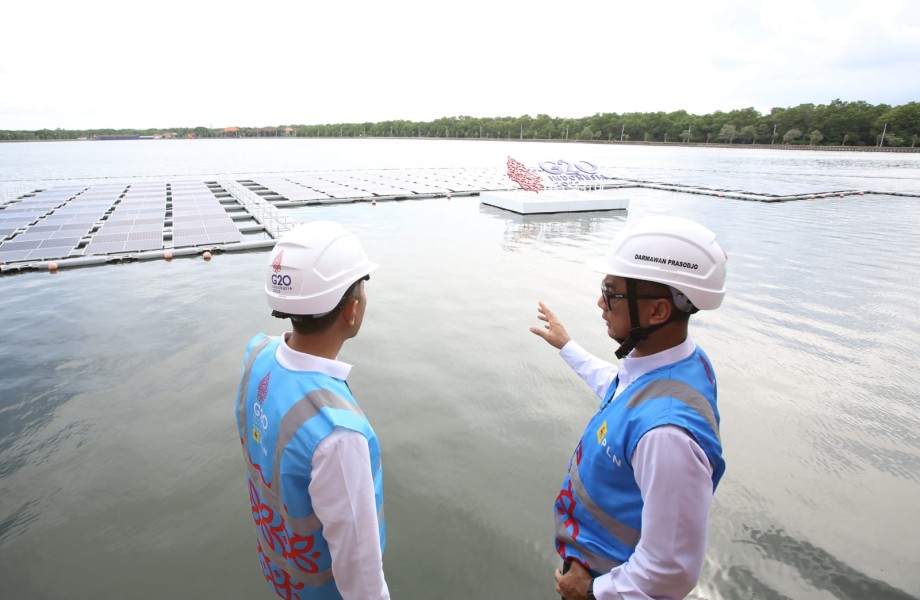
x=312, y=458
x=633, y=511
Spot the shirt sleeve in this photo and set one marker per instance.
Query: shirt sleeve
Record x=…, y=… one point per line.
x=597, y=373
x=675, y=478
x=342, y=492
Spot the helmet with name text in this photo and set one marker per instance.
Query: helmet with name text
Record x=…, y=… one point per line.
x=312, y=266
x=674, y=251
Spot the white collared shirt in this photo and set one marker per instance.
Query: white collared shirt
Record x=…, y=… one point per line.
x=342, y=492
x=675, y=478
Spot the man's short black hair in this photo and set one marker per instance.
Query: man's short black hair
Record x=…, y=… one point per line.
x=307, y=324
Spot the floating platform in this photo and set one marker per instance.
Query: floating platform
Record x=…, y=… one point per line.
x=555, y=201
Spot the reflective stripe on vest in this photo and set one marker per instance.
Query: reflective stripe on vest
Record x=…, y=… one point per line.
x=299, y=413
x=621, y=531
x=600, y=564
x=681, y=391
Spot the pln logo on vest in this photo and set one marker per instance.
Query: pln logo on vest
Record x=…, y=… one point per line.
x=602, y=441
x=602, y=433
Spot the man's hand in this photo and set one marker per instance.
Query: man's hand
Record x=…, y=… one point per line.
x=553, y=332
x=574, y=585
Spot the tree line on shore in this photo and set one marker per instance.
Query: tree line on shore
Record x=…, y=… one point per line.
x=837, y=123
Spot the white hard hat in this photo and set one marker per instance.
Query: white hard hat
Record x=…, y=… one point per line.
x=312, y=266
x=674, y=251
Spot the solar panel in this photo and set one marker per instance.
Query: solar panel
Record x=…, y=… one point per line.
x=109, y=237
x=25, y=245
x=13, y=256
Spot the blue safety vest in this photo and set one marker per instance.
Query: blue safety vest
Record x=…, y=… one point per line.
x=282, y=416
x=598, y=512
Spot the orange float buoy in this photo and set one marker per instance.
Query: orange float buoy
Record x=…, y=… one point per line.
x=52, y=266
x=812, y=197
x=373, y=203
x=842, y=194
x=167, y=255
x=206, y=255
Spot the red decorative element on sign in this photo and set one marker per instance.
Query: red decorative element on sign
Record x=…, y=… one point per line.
x=263, y=387
x=276, y=263
x=524, y=177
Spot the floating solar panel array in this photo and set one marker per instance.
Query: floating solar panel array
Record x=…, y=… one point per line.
x=136, y=224
x=42, y=226
x=198, y=217
x=352, y=186
x=295, y=191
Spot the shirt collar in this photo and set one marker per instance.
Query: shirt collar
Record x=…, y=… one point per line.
x=634, y=367
x=301, y=361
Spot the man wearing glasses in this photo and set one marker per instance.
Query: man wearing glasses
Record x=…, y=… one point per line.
x=312, y=459
x=633, y=511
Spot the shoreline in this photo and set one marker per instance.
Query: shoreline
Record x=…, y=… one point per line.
x=796, y=147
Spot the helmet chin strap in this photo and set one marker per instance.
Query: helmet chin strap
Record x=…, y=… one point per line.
x=636, y=333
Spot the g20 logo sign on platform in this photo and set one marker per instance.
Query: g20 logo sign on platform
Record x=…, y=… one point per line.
x=565, y=174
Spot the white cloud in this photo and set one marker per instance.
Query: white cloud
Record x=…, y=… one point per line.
x=110, y=64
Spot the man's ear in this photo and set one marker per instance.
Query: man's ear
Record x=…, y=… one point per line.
x=661, y=311
x=350, y=311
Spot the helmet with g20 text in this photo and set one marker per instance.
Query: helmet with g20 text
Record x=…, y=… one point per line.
x=311, y=266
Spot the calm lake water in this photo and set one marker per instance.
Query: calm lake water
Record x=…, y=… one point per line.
x=120, y=469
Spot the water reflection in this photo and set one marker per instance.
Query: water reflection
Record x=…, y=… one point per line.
x=815, y=566
x=557, y=228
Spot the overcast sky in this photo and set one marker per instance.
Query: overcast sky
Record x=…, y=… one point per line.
x=188, y=63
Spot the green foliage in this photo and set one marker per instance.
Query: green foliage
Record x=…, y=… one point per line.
x=837, y=123
x=792, y=135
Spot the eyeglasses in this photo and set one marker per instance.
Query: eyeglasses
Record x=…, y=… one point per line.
x=608, y=296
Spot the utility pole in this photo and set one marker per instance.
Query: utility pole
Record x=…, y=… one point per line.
x=622, y=129
x=881, y=142
x=774, y=135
